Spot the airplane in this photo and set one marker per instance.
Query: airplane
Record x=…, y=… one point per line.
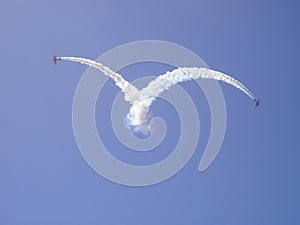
x=256, y=103
x=55, y=59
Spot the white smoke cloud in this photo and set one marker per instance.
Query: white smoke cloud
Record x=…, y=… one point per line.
x=141, y=100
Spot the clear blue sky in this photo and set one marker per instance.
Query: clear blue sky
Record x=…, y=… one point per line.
x=45, y=180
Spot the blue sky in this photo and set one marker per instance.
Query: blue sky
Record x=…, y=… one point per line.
x=255, y=178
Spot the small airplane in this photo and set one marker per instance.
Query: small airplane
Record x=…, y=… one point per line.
x=256, y=103
x=55, y=59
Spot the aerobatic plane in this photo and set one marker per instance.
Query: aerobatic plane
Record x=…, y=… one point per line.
x=55, y=59
x=256, y=102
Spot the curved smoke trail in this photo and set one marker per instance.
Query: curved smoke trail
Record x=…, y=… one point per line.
x=131, y=92
x=141, y=100
x=165, y=81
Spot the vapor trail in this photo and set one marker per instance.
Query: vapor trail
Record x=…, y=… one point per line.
x=142, y=100
x=165, y=81
x=130, y=91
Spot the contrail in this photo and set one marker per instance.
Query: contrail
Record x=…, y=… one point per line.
x=141, y=100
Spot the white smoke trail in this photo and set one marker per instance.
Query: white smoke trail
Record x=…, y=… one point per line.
x=137, y=118
x=131, y=92
x=165, y=81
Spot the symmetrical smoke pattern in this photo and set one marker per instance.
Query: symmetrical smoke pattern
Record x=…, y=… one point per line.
x=141, y=100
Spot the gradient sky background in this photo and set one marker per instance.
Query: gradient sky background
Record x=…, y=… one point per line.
x=255, y=178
